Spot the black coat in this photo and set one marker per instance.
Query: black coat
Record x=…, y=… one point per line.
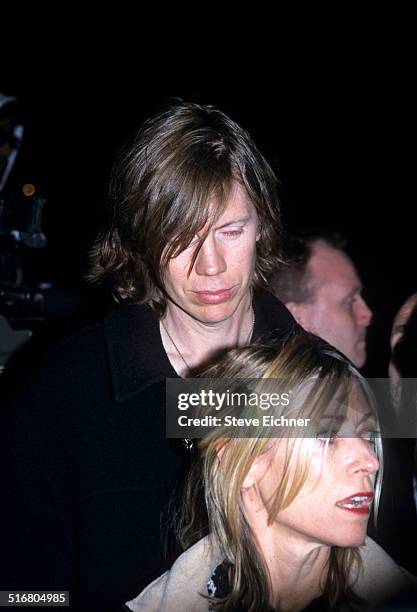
x=86, y=470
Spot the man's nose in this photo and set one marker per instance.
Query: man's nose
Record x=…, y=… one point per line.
x=210, y=260
x=361, y=456
x=363, y=313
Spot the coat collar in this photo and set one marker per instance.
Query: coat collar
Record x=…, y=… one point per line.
x=134, y=347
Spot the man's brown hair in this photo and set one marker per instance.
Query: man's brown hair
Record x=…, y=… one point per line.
x=294, y=281
x=177, y=171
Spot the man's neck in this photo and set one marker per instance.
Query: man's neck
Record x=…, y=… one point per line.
x=193, y=343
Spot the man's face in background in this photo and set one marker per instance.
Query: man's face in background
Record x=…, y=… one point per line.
x=336, y=312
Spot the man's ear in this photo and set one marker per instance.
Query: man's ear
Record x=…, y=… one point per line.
x=300, y=313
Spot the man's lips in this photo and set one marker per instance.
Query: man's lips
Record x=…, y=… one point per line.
x=359, y=503
x=213, y=297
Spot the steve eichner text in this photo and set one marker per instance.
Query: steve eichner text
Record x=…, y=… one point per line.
x=217, y=400
x=232, y=421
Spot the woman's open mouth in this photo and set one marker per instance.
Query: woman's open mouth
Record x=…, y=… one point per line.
x=359, y=503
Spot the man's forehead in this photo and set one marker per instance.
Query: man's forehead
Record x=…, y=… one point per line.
x=331, y=266
x=236, y=206
x=237, y=198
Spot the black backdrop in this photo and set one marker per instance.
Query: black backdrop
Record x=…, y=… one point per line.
x=327, y=91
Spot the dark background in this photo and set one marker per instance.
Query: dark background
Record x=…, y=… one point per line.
x=327, y=91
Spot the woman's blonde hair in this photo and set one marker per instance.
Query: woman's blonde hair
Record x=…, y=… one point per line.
x=302, y=361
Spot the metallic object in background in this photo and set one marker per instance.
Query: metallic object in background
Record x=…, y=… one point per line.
x=21, y=304
x=20, y=229
x=21, y=220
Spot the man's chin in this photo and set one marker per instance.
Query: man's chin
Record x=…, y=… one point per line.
x=213, y=316
x=360, y=359
x=217, y=312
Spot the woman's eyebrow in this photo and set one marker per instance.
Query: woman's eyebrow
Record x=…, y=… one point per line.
x=369, y=415
x=338, y=418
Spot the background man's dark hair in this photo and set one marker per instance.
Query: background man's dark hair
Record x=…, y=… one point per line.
x=294, y=283
x=168, y=184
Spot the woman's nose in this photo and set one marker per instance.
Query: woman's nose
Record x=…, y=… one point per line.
x=361, y=456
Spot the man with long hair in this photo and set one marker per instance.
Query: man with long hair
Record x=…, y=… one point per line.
x=193, y=235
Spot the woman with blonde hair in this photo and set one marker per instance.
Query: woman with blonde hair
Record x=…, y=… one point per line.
x=276, y=520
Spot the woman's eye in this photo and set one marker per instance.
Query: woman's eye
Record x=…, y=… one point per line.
x=370, y=437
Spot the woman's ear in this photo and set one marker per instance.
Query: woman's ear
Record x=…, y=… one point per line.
x=257, y=470
x=251, y=491
x=251, y=477
x=221, y=447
